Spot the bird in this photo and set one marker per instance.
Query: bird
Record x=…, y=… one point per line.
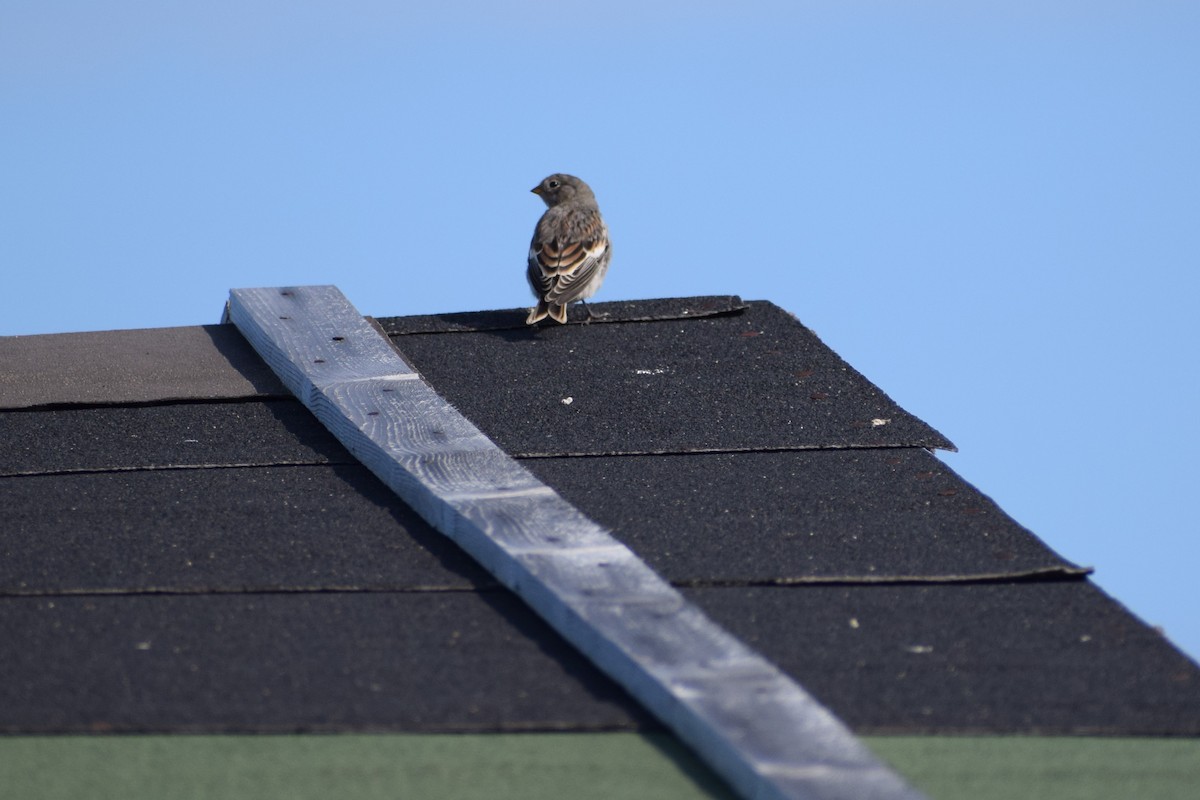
x=570, y=251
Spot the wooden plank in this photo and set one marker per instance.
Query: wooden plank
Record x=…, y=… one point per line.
x=751, y=723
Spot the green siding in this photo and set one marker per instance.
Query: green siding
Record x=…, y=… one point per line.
x=352, y=767
x=1037, y=767
x=572, y=765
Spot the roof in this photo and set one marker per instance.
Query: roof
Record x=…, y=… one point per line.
x=162, y=476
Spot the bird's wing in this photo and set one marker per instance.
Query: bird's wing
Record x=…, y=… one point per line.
x=538, y=279
x=561, y=267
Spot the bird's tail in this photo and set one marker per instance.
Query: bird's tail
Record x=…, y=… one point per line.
x=556, y=312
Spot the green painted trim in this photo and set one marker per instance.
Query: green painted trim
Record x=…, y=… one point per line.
x=526, y=766
x=579, y=766
x=1045, y=767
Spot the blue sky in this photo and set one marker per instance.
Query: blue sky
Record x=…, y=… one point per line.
x=990, y=211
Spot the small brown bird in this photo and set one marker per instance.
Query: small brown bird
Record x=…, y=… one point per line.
x=570, y=251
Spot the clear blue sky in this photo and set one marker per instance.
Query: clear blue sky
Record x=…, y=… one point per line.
x=991, y=209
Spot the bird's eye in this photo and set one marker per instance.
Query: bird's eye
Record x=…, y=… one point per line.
x=553, y=184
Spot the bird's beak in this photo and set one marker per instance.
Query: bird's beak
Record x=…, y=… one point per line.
x=537, y=190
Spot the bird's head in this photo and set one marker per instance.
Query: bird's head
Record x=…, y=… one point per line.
x=560, y=188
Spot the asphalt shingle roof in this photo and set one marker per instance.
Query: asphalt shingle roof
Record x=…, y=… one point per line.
x=187, y=549
x=749, y=379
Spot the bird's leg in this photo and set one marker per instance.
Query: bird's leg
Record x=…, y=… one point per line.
x=588, y=309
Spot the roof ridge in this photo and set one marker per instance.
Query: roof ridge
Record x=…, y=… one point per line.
x=607, y=313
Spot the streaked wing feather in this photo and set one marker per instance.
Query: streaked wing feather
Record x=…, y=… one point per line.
x=561, y=268
x=571, y=285
x=538, y=279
